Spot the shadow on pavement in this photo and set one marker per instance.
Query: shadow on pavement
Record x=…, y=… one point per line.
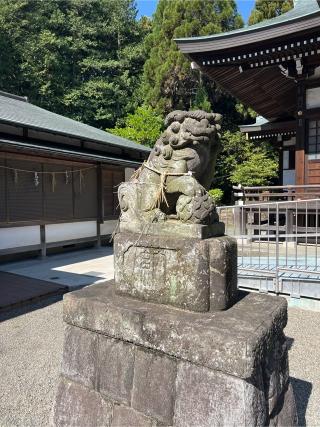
x=302, y=391
x=12, y=312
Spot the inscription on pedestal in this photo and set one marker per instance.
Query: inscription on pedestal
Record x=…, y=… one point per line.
x=183, y=272
x=150, y=265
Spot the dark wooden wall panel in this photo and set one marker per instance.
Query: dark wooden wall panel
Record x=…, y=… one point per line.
x=85, y=194
x=111, y=179
x=107, y=185
x=58, y=204
x=2, y=192
x=24, y=196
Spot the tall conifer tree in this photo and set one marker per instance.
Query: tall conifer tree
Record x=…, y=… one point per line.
x=267, y=9
x=168, y=81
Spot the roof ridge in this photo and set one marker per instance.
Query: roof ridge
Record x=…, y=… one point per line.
x=11, y=95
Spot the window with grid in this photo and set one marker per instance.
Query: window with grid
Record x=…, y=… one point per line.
x=314, y=136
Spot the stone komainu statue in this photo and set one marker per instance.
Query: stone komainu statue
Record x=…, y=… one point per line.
x=173, y=182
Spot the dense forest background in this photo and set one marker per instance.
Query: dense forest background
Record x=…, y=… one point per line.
x=95, y=62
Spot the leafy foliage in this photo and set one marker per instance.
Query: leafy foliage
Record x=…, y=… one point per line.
x=143, y=126
x=168, y=81
x=244, y=162
x=217, y=195
x=79, y=58
x=267, y=9
x=258, y=169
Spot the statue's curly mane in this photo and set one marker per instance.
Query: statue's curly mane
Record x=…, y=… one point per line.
x=175, y=120
x=180, y=116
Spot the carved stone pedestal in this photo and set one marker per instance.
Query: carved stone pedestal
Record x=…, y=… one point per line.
x=194, y=274
x=134, y=363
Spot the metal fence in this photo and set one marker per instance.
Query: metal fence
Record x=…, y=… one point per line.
x=278, y=246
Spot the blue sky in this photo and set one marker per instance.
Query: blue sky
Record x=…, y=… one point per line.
x=147, y=7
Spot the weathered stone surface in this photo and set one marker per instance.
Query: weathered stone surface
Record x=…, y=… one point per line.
x=128, y=417
x=171, y=228
x=115, y=369
x=189, y=273
x=163, y=270
x=79, y=355
x=232, y=341
x=223, y=272
x=78, y=406
x=154, y=385
x=209, y=398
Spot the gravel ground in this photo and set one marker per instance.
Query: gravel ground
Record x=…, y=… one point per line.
x=30, y=355
x=303, y=332
x=31, y=348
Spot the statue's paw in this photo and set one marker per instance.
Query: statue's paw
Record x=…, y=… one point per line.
x=159, y=216
x=199, y=209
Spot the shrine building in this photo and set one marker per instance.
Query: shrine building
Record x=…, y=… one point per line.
x=273, y=67
x=58, y=178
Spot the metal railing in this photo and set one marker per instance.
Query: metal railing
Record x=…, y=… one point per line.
x=278, y=245
x=248, y=195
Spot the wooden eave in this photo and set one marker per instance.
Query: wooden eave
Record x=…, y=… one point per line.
x=280, y=127
x=14, y=145
x=255, y=36
x=265, y=89
x=249, y=64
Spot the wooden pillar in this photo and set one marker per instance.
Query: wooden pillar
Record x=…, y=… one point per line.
x=99, y=203
x=301, y=134
x=43, y=240
x=280, y=170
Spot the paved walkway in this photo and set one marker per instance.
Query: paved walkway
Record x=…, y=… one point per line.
x=73, y=269
x=30, y=356
x=16, y=289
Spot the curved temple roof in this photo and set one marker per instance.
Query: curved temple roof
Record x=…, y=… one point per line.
x=257, y=64
x=17, y=111
x=303, y=9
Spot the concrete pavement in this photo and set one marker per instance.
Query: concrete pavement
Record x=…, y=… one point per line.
x=73, y=269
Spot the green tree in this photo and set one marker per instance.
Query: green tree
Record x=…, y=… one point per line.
x=244, y=162
x=258, y=169
x=168, y=81
x=267, y=9
x=80, y=58
x=201, y=100
x=143, y=126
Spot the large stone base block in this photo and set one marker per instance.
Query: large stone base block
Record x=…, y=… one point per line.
x=190, y=273
x=132, y=363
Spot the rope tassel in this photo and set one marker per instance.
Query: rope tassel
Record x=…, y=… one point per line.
x=80, y=180
x=53, y=181
x=161, y=193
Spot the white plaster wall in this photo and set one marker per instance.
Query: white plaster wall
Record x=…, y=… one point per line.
x=108, y=227
x=16, y=237
x=70, y=231
x=127, y=173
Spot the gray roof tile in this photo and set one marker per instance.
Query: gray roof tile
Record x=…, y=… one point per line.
x=19, y=112
x=302, y=8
